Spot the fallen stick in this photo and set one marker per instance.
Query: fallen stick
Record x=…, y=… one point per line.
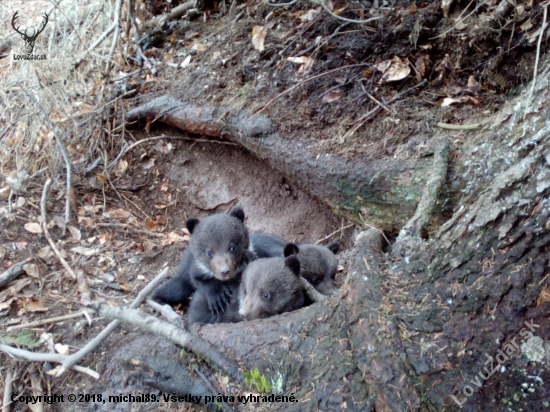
x=7, y=391
x=13, y=272
x=45, y=321
x=47, y=232
x=165, y=329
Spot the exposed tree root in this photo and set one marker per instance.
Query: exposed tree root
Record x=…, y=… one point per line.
x=380, y=190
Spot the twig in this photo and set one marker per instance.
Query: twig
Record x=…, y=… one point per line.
x=37, y=392
x=211, y=388
x=335, y=232
x=449, y=126
x=115, y=37
x=63, y=153
x=93, y=166
x=374, y=228
x=329, y=11
x=13, y=272
x=122, y=152
x=69, y=361
x=169, y=313
x=133, y=229
x=382, y=105
x=162, y=328
x=96, y=43
x=281, y=4
x=305, y=81
x=83, y=287
x=363, y=119
x=460, y=21
x=528, y=101
x=47, y=232
x=7, y=391
x=45, y=321
x=12, y=290
x=175, y=138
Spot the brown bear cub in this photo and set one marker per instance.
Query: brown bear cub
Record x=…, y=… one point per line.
x=271, y=286
x=318, y=263
x=211, y=266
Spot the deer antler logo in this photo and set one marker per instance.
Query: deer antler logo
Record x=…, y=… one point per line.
x=29, y=40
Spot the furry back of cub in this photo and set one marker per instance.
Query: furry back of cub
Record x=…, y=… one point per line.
x=318, y=263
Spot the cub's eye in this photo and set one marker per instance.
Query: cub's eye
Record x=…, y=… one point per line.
x=209, y=254
x=232, y=248
x=316, y=281
x=265, y=296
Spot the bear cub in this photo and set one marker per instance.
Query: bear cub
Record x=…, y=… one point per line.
x=212, y=264
x=271, y=286
x=318, y=263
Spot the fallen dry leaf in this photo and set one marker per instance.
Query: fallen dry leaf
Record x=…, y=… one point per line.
x=199, y=47
x=259, y=34
x=185, y=62
x=33, y=227
x=383, y=66
x=526, y=25
x=32, y=270
x=121, y=167
x=448, y=101
x=20, y=202
x=72, y=200
x=150, y=225
x=298, y=60
x=84, y=251
x=120, y=214
x=149, y=164
x=332, y=96
x=396, y=69
x=147, y=246
x=37, y=306
x=310, y=15
x=473, y=85
x=21, y=245
x=62, y=349
x=172, y=238
x=45, y=253
x=75, y=232
x=104, y=238
x=422, y=64
x=18, y=181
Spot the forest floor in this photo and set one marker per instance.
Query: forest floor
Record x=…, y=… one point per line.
x=342, y=89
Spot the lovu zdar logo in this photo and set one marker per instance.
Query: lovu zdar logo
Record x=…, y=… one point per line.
x=29, y=39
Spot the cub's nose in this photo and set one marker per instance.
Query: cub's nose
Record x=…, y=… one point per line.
x=243, y=313
x=225, y=272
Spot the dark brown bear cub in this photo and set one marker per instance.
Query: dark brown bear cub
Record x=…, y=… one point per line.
x=217, y=254
x=199, y=311
x=271, y=286
x=318, y=263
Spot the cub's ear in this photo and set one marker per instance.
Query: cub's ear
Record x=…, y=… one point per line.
x=334, y=247
x=191, y=223
x=290, y=249
x=238, y=213
x=293, y=264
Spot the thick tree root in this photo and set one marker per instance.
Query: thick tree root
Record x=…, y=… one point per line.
x=381, y=191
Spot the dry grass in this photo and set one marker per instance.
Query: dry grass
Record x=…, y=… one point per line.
x=71, y=98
